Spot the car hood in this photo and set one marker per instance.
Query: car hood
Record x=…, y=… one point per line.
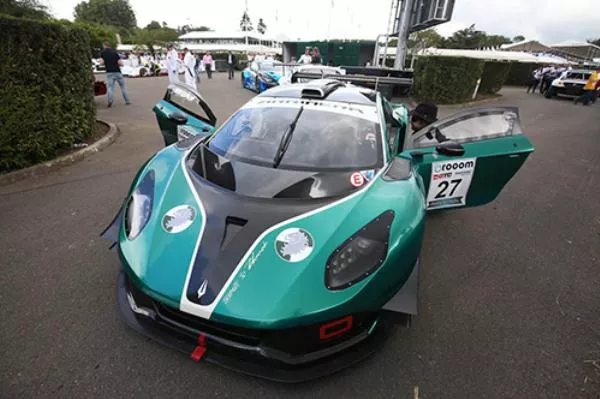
x=231, y=263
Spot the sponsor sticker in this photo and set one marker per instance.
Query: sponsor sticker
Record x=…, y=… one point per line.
x=185, y=132
x=368, y=174
x=450, y=182
x=357, y=179
x=294, y=244
x=178, y=219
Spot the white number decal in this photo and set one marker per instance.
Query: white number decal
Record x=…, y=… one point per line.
x=449, y=184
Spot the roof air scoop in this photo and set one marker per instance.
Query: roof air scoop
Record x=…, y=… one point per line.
x=320, y=88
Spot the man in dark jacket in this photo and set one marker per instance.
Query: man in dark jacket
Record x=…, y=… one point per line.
x=231, y=62
x=112, y=62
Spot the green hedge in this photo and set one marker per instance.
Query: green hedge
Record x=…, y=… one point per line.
x=46, y=95
x=493, y=77
x=520, y=73
x=446, y=80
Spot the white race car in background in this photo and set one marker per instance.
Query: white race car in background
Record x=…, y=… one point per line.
x=302, y=73
x=569, y=84
x=151, y=68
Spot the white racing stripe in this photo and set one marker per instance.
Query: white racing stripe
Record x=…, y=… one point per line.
x=206, y=311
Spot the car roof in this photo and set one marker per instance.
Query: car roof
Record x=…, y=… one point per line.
x=344, y=93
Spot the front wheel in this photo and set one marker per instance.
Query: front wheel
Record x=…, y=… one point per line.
x=550, y=92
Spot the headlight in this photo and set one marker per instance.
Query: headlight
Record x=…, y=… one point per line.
x=558, y=83
x=139, y=206
x=360, y=255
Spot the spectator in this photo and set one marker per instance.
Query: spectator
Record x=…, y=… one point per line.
x=306, y=58
x=590, y=89
x=536, y=76
x=172, y=64
x=112, y=62
x=198, y=67
x=190, y=68
x=207, y=60
x=316, y=57
x=231, y=62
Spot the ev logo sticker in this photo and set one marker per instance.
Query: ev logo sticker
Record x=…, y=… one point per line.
x=294, y=244
x=449, y=183
x=178, y=219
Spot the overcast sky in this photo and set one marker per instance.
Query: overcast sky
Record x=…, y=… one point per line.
x=550, y=21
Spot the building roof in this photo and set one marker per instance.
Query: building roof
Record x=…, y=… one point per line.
x=222, y=35
x=495, y=55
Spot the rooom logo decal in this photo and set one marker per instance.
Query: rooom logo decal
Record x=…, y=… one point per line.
x=450, y=166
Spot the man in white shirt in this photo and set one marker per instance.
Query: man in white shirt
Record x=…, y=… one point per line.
x=172, y=58
x=306, y=57
x=190, y=68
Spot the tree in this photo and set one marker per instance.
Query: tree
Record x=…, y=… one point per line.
x=261, y=27
x=31, y=9
x=246, y=23
x=116, y=13
x=423, y=39
x=518, y=38
x=594, y=41
x=153, y=25
x=471, y=38
x=150, y=37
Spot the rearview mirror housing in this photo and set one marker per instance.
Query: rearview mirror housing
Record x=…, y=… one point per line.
x=451, y=149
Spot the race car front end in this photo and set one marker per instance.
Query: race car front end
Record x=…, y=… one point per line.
x=286, y=355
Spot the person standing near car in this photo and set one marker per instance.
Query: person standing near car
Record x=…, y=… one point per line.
x=316, y=56
x=231, y=61
x=190, y=68
x=172, y=58
x=306, y=58
x=208, y=61
x=536, y=76
x=112, y=62
x=590, y=89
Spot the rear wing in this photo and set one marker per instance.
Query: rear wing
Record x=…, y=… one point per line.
x=360, y=80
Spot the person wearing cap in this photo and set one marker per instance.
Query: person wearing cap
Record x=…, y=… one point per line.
x=422, y=116
x=172, y=58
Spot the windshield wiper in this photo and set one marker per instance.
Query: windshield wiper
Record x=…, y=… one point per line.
x=285, y=139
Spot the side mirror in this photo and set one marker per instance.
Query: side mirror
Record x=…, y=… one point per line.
x=451, y=149
x=178, y=118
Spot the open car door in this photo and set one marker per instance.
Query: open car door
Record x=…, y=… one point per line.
x=183, y=113
x=465, y=160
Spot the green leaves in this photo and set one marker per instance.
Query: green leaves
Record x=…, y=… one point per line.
x=46, y=91
x=116, y=13
x=446, y=80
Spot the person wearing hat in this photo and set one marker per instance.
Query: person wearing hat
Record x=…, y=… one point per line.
x=172, y=64
x=422, y=116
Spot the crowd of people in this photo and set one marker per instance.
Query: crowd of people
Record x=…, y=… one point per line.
x=543, y=77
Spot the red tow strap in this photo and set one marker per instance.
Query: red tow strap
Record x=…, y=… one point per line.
x=200, y=350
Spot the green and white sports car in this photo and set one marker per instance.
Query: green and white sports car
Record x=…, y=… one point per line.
x=286, y=242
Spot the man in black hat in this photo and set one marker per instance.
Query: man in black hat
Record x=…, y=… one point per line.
x=422, y=116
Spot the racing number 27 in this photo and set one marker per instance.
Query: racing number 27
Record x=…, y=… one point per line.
x=444, y=185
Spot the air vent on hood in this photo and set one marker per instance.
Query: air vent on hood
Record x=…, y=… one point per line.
x=233, y=226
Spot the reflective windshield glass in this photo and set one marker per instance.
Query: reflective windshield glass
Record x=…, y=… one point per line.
x=321, y=140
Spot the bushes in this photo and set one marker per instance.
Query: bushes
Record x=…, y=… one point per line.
x=46, y=91
x=493, y=76
x=520, y=73
x=446, y=80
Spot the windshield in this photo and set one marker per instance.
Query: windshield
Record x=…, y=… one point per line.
x=578, y=75
x=321, y=140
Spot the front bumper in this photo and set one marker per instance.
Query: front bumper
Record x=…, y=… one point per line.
x=568, y=90
x=246, y=350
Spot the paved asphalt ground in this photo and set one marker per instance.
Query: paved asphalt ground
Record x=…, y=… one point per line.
x=510, y=292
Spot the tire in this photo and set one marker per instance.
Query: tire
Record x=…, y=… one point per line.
x=256, y=85
x=550, y=92
x=242, y=78
x=143, y=72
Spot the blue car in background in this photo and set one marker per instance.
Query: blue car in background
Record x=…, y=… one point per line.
x=261, y=75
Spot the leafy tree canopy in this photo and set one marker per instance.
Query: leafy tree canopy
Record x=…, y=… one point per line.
x=31, y=9
x=116, y=13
